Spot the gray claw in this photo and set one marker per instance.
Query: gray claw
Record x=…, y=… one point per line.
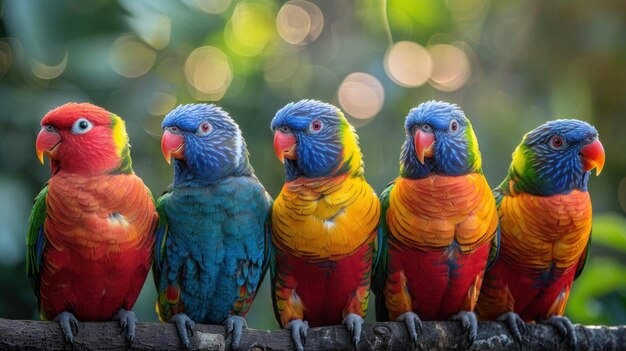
x=469, y=323
x=68, y=322
x=354, y=323
x=128, y=322
x=516, y=325
x=183, y=324
x=235, y=325
x=565, y=328
x=298, y=330
x=413, y=325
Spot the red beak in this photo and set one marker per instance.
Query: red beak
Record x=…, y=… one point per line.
x=592, y=156
x=47, y=143
x=172, y=145
x=285, y=146
x=424, y=144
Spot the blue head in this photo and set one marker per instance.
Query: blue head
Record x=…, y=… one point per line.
x=439, y=140
x=555, y=158
x=206, y=144
x=314, y=139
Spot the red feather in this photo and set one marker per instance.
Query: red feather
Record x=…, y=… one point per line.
x=99, y=234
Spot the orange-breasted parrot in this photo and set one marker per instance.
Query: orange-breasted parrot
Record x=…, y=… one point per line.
x=324, y=222
x=545, y=218
x=439, y=227
x=89, y=244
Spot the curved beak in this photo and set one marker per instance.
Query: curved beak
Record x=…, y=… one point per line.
x=424, y=144
x=285, y=146
x=47, y=143
x=172, y=145
x=592, y=156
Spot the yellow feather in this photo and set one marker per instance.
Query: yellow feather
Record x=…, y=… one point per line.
x=120, y=138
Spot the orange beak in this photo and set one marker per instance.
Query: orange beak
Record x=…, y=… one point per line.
x=592, y=156
x=285, y=146
x=47, y=143
x=172, y=145
x=424, y=144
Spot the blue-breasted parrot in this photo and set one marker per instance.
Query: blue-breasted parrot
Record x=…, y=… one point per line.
x=212, y=240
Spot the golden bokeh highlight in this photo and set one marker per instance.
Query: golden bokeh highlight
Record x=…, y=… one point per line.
x=361, y=95
x=160, y=103
x=130, y=57
x=208, y=73
x=43, y=71
x=213, y=6
x=250, y=28
x=299, y=22
x=451, y=67
x=408, y=64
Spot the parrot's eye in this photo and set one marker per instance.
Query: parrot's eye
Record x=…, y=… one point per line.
x=81, y=126
x=204, y=128
x=49, y=128
x=556, y=142
x=454, y=125
x=427, y=128
x=316, y=125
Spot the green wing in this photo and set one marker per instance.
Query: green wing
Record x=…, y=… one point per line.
x=160, y=237
x=379, y=268
x=498, y=194
x=36, y=240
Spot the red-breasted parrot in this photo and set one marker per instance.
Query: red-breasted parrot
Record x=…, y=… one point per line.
x=439, y=225
x=89, y=244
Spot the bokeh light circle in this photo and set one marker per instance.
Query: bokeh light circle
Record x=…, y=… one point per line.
x=130, y=57
x=208, y=72
x=250, y=28
x=299, y=22
x=361, y=95
x=408, y=64
x=451, y=67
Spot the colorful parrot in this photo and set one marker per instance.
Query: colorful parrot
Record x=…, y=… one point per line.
x=89, y=244
x=439, y=226
x=324, y=222
x=212, y=240
x=545, y=218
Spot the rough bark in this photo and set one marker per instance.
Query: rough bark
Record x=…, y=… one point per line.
x=492, y=336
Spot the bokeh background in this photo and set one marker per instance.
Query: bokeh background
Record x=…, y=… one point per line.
x=510, y=65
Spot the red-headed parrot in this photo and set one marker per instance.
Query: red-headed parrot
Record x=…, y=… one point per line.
x=92, y=226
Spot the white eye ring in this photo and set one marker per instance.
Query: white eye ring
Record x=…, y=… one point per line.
x=81, y=126
x=204, y=128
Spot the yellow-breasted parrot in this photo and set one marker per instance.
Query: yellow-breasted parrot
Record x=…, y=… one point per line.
x=324, y=222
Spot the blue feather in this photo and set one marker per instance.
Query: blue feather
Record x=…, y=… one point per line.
x=216, y=213
x=452, y=152
x=319, y=152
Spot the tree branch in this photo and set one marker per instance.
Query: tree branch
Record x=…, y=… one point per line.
x=492, y=336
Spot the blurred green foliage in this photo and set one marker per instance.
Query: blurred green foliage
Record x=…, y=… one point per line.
x=510, y=66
